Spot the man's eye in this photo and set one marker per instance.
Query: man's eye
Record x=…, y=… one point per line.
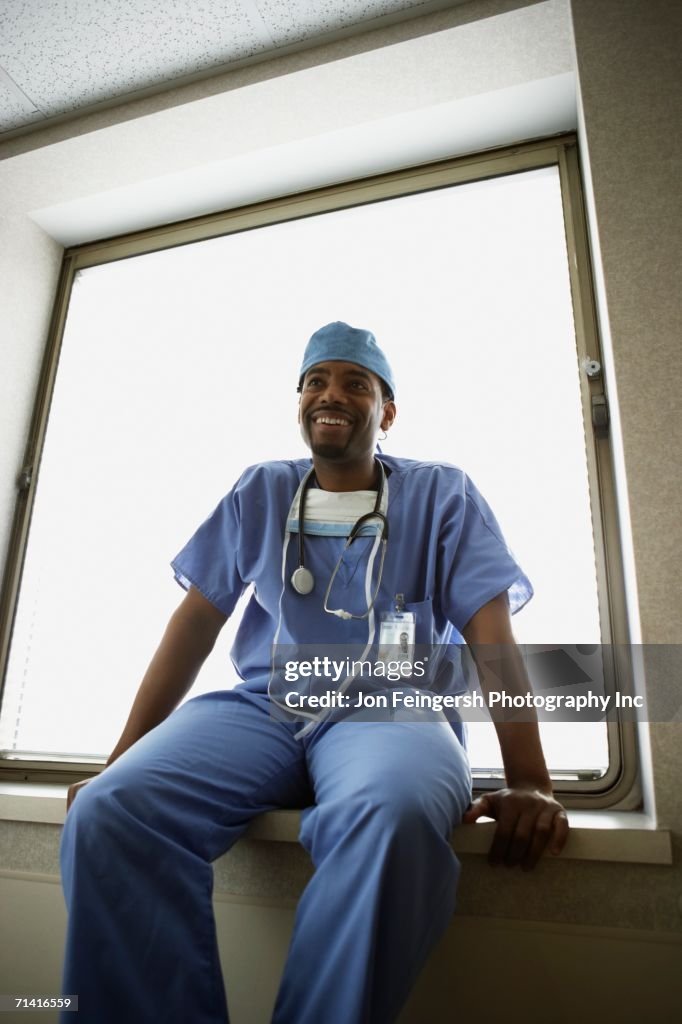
x=359, y=384
x=313, y=382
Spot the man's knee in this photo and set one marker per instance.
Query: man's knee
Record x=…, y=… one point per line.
x=108, y=811
x=377, y=813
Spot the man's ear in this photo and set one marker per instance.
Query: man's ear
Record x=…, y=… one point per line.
x=389, y=415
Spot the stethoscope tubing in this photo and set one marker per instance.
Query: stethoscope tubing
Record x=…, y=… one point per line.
x=302, y=579
x=316, y=717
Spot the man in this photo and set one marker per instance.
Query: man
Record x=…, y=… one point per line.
x=379, y=798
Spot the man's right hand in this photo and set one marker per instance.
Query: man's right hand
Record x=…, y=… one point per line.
x=73, y=791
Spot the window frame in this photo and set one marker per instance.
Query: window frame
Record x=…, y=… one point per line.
x=620, y=786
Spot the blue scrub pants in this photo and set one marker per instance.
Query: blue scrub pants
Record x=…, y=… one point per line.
x=140, y=838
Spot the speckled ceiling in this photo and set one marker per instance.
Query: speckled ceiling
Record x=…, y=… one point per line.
x=59, y=57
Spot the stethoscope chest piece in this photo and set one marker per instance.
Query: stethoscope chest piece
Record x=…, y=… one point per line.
x=302, y=580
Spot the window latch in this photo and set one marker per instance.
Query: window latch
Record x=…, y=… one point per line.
x=600, y=412
x=600, y=407
x=24, y=479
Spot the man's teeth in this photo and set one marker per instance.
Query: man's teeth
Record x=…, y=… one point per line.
x=331, y=422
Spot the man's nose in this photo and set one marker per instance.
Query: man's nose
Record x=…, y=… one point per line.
x=333, y=393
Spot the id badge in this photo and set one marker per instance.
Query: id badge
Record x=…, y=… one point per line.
x=396, y=639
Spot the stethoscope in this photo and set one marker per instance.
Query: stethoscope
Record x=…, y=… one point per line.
x=302, y=579
x=303, y=582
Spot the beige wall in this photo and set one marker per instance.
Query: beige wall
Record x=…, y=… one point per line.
x=628, y=78
x=485, y=970
x=629, y=73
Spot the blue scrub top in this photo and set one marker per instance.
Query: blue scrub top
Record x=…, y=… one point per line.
x=445, y=553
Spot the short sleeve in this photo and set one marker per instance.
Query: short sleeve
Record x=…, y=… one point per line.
x=476, y=563
x=210, y=560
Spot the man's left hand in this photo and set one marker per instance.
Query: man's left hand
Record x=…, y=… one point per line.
x=528, y=821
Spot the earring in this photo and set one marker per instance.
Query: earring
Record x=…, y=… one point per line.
x=384, y=437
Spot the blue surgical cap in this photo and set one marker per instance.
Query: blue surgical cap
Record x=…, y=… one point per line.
x=339, y=341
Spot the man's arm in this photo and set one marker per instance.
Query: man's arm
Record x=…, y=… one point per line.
x=528, y=817
x=188, y=640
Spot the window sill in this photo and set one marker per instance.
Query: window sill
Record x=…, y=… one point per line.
x=618, y=836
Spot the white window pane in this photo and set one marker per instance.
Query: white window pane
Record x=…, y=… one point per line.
x=179, y=369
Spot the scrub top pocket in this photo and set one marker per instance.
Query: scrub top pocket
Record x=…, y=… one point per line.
x=423, y=619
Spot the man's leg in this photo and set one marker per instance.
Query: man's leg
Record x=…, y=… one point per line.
x=136, y=859
x=387, y=797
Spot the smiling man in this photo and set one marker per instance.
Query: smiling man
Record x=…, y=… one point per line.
x=379, y=799
x=344, y=405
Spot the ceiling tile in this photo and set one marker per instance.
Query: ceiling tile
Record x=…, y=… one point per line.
x=290, y=21
x=16, y=109
x=67, y=54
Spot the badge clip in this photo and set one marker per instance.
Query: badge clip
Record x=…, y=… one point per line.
x=397, y=637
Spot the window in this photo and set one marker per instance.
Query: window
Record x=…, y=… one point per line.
x=177, y=365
